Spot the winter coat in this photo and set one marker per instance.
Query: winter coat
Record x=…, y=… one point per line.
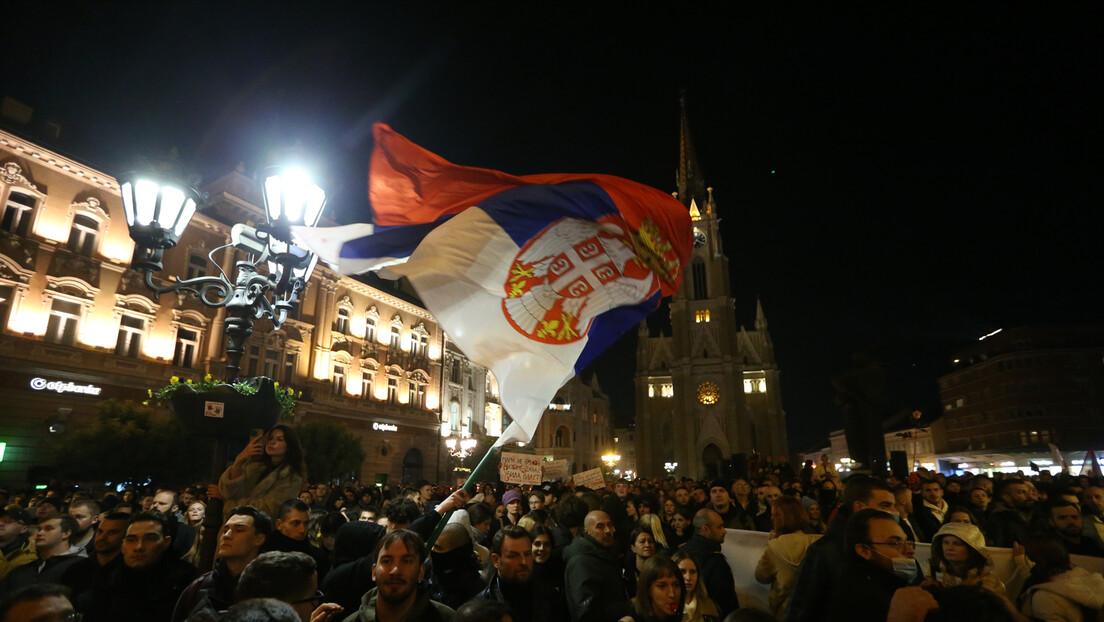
x=425, y=610
x=138, y=594
x=71, y=569
x=1007, y=526
x=543, y=603
x=863, y=591
x=778, y=566
x=20, y=552
x=265, y=491
x=592, y=582
x=277, y=541
x=215, y=586
x=818, y=574
x=1065, y=597
x=714, y=572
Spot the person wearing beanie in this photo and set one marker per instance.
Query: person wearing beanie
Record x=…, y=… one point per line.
x=512, y=501
x=731, y=513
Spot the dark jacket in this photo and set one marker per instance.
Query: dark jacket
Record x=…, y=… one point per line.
x=714, y=571
x=425, y=610
x=592, y=582
x=736, y=518
x=535, y=601
x=452, y=578
x=347, y=583
x=1006, y=526
x=71, y=569
x=277, y=541
x=863, y=591
x=137, y=594
x=817, y=574
x=216, y=585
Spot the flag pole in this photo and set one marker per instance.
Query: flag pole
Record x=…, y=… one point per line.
x=469, y=487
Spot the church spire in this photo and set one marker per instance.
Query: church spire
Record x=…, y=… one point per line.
x=691, y=181
x=760, y=318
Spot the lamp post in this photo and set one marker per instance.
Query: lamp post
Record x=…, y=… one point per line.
x=460, y=448
x=670, y=467
x=611, y=459
x=158, y=209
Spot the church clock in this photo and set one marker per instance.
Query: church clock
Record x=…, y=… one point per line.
x=709, y=393
x=699, y=238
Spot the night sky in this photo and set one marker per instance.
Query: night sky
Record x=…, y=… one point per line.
x=906, y=179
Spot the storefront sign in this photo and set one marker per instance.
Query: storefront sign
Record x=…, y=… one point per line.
x=384, y=427
x=60, y=386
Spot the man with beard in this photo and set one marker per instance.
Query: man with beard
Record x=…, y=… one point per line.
x=398, y=571
x=1092, y=515
x=513, y=582
x=87, y=514
x=108, y=543
x=592, y=581
x=731, y=513
x=1065, y=522
x=1010, y=518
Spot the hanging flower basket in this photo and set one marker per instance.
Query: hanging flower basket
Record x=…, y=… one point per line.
x=232, y=410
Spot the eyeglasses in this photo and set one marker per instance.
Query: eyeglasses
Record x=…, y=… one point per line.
x=314, y=600
x=901, y=545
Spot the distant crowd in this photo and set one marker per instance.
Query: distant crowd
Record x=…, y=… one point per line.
x=644, y=550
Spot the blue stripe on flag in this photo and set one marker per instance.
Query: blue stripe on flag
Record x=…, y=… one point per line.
x=395, y=241
x=609, y=326
x=525, y=211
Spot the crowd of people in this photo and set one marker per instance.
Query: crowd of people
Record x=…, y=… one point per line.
x=634, y=551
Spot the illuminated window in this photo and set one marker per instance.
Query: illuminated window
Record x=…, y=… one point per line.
x=370, y=328
x=342, y=325
x=197, y=266
x=701, y=316
x=338, y=379
x=187, y=344
x=63, y=323
x=392, y=390
x=559, y=403
x=367, y=379
x=762, y=386
x=131, y=332
x=667, y=390
x=651, y=390
x=17, y=213
x=396, y=337
x=6, y=293
x=83, y=235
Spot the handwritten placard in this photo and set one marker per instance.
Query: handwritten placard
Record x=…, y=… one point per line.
x=520, y=469
x=554, y=470
x=592, y=479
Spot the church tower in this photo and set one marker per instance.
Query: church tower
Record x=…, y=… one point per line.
x=708, y=395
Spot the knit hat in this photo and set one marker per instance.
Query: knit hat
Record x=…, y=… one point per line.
x=808, y=502
x=510, y=496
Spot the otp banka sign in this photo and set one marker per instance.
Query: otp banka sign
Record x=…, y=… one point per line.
x=60, y=386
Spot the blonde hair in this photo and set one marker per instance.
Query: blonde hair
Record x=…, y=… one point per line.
x=652, y=523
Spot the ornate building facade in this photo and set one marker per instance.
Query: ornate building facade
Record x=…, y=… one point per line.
x=77, y=326
x=576, y=426
x=707, y=395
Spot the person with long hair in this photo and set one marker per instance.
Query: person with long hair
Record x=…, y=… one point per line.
x=697, y=606
x=1055, y=589
x=642, y=546
x=959, y=557
x=655, y=525
x=785, y=550
x=196, y=511
x=269, y=471
x=660, y=593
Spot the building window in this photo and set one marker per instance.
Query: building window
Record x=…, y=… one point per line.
x=701, y=316
x=559, y=403
x=82, y=237
x=339, y=379
x=342, y=325
x=392, y=390
x=272, y=363
x=253, y=360
x=396, y=337
x=17, y=213
x=197, y=266
x=370, y=329
x=454, y=373
x=131, y=331
x=698, y=272
x=187, y=344
x=419, y=343
x=454, y=417
x=6, y=293
x=64, y=320
x=290, y=361
x=367, y=378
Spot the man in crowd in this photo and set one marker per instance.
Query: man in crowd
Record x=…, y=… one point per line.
x=240, y=542
x=290, y=534
x=713, y=568
x=682, y=496
x=933, y=507
x=879, y=561
x=56, y=563
x=166, y=502
x=289, y=577
x=763, y=520
x=16, y=548
x=513, y=582
x=592, y=579
x=904, y=509
x=45, y=602
x=1065, y=522
x=87, y=514
x=1092, y=514
x=398, y=571
x=616, y=507
x=148, y=584
x=107, y=547
x=731, y=514
x=1010, y=519
x=536, y=500
x=817, y=577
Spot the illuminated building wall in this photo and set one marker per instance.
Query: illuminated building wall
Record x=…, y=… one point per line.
x=576, y=426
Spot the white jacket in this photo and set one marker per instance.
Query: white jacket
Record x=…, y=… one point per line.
x=1062, y=598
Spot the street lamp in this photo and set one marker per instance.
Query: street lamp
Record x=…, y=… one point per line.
x=158, y=210
x=460, y=447
x=611, y=459
x=670, y=467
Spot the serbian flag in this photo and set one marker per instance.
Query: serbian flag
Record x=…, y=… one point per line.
x=531, y=276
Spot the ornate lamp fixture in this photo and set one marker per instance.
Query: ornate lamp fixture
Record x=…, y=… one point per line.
x=158, y=210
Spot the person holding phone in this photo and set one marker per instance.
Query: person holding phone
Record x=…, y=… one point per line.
x=269, y=471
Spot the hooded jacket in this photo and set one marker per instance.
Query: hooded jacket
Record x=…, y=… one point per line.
x=425, y=610
x=778, y=566
x=71, y=569
x=1064, y=596
x=592, y=582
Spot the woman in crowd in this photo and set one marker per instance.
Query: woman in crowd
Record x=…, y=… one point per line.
x=1055, y=589
x=548, y=563
x=655, y=526
x=660, y=593
x=697, y=606
x=196, y=511
x=669, y=508
x=742, y=497
x=959, y=556
x=816, y=523
x=641, y=547
x=268, y=471
x=785, y=550
x=511, y=501
x=630, y=510
x=681, y=527
x=828, y=498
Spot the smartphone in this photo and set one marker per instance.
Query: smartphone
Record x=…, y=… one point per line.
x=255, y=434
